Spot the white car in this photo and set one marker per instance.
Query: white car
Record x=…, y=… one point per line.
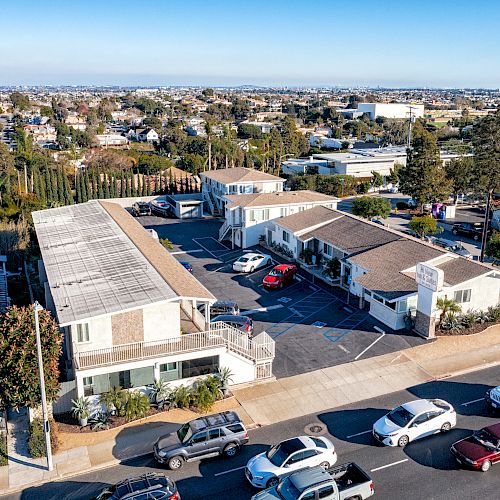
x=414, y=420
x=266, y=469
x=250, y=262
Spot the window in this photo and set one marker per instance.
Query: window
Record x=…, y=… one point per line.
x=327, y=249
x=309, y=496
x=318, y=442
x=296, y=457
x=462, y=296
x=368, y=293
x=421, y=419
x=286, y=237
x=235, y=428
x=168, y=367
x=391, y=305
x=82, y=332
x=200, y=437
x=88, y=390
x=259, y=215
x=325, y=492
x=201, y=366
x=378, y=298
x=308, y=454
x=283, y=211
x=214, y=434
x=402, y=306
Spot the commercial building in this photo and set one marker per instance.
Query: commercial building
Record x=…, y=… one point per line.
x=391, y=110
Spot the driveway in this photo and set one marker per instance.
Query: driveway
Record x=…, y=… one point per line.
x=312, y=325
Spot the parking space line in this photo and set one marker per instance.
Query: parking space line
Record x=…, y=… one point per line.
x=389, y=465
x=359, y=434
x=471, y=402
x=228, y=471
x=370, y=346
x=205, y=248
x=180, y=252
x=261, y=309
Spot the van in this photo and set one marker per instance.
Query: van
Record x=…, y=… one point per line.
x=224, y=307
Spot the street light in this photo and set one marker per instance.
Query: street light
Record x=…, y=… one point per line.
x=46, y=426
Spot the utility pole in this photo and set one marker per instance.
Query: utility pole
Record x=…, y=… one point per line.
x=484, y=236
x=411, y=120
x=46, y=426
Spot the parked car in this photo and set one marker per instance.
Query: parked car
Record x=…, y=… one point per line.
x=469, y=229
x=151, y=485
x=186, y=265
x=161, y=208
x=141, y=208
x=224, y=307
x=242, y=323
x=492, y=397
x=480, y=450
x=414, y=420
x=249, y=262
x=452, y=246
x=219, y=434
x=346, y=481
x=266, y=469
x=280, y=275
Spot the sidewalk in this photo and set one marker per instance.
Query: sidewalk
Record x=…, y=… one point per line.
x=269, y=403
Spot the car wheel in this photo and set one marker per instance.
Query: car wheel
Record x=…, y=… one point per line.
x=230, y=450
x=271, y=483
x=324, y=465
x=485, y=466
x=455, y=232
x=175, y=463
x=252, y=269
x=403, y=441
x=446, y=427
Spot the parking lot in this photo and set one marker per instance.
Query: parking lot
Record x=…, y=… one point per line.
x=312, y=325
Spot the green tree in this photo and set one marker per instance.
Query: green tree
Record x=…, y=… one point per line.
x=249, y=131
x=460, y=172
x=7, y=169
x=18, y=357
x=78, y=188
x=19, y=101
x=371, y=206
x=100, y=187
x=377, y=179
x=128, y=185
x=106, y=186
x=423, y=177
x=424, y=225
x=446, y=305
x=393, y=177
x=493, y=246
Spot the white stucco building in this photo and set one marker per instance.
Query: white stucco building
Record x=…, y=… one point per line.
x=129, y=311
x=391, y=110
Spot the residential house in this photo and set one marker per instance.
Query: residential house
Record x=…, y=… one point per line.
x=395, y=276
x=129, y=311
x=41, y=133
x=111, y=140
x=143, y=135
x=216, y=184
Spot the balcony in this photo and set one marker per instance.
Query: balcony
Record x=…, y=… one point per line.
x=258, y=349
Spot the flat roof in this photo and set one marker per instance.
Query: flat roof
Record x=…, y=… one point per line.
x=280, y=198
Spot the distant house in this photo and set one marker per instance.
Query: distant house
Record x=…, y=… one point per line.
x=143, y=135
x=110, y=140
x=41, y=133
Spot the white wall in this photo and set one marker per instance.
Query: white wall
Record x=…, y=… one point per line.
x=386, y=315
x=100, y=335
x=391, y=110
x=161, y=321
x=243, y=369
x=365, y=169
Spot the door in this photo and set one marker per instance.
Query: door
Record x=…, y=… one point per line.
x=419, y=427
x=215, y=441
x=198, y=445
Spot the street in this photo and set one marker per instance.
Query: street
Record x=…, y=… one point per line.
x=422, y=470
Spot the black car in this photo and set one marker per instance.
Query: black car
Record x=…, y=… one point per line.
x=469, y=229
x=141, y=208
x=151, y=485
x=242, y=323
x=186, y=265
x=219, y=434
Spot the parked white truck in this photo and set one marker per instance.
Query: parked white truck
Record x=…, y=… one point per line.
x=342, y=482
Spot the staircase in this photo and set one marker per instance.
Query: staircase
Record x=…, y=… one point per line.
x=212, y=204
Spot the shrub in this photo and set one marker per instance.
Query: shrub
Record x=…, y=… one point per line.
x=205, y=394
x=332, y=268
x=482, y=317
x=469, y=320
x=494, y=313
x=451, y=322
x=136, y=406
x=100, y=422
x=36, y=441
x=3, y=450
x=114, y=400
x=180, y=397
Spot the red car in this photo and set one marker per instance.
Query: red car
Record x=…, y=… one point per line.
x=280, y=275
x=480, y=450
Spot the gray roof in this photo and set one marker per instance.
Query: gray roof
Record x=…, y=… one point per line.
x=93, y=268
x=280, y=198
x=308, y=218
x=240, y=174
x=458, y=270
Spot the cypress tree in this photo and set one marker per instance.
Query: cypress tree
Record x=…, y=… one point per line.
x=156, y=185
x=61, y=198
x=174, y=185
x=53, y=180
x=48, y=186
x=115, y=187
x=106, y=187
x=95, y=189
x=78, y=188
x=84, y=187
x=43, y=188
x=128, y=181
x=122, y=185
x=36, y=183
x=100, y=190
x=162, y=183
x=67, y=190
x=143, y=186
x=148, y=186
x=87, y=193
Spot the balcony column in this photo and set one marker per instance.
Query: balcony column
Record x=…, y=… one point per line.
x=79, y=386
x=156, y=371
x=206, y=314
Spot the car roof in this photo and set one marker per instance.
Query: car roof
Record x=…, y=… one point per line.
x=419, y=406
x=230, y=317
x=309, y=477
x=223, y=418
x=147, y=482
x=292, y=445
x=224, y=303
x=282, y=267
x=494, y=430
x=251, y=254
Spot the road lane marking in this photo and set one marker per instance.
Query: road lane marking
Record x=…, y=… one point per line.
x=180, y=252
x=261, y=309
x=473, y=401
x=369, y=347
x=359, y=434
x=228, y=471
x=389, y=465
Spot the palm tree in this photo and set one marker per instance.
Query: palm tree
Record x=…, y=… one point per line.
x=446, y=305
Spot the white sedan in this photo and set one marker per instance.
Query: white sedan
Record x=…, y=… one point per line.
x=414, y=420
x=266, y=469
x=250, y=262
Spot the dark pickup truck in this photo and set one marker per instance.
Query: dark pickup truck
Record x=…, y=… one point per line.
x=469, y=229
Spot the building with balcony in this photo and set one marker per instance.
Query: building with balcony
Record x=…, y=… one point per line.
x=131, y=314
x=387, y=270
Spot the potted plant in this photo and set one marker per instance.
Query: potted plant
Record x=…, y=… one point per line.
x=81, y=410
x=225, y=375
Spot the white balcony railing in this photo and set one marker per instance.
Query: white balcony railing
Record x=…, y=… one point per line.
x=260, y=348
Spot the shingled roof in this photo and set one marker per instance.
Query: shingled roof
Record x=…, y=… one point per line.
x=240, y=174
x=301, y=221
x=281, y=198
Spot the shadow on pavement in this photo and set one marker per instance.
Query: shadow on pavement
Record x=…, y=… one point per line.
x=63, y=490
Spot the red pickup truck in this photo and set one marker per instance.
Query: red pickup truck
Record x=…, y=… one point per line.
x=280, y=275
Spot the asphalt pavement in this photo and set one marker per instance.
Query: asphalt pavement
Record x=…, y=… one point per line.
x=424, y=469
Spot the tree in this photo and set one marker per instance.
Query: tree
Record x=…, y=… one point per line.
x=423, y=177
x=20, y=101
x=18, y=357
x=371, y=206
x=493, y=246
x=208, y=92
x=446, y=305
x=393, y=177
x=460, y=172
x=425, y=224
x=249, y=131
x=377, y=179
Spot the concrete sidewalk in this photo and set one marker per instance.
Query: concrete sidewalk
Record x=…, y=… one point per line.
x=271, y=402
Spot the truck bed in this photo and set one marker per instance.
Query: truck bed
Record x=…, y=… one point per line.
x=349, y=475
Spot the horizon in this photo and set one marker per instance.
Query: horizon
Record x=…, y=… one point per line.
x=277, y=45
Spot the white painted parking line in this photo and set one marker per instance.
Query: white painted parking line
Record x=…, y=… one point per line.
x=205, y=248
x=261, y=309
x=369, y=347
x=378, y=329
x=359, y=434
x=342, y=348
x=349, y=310
x=180, y=252
x=471, y=402
x=390, y=465
x=294, y=311
x=228, y=471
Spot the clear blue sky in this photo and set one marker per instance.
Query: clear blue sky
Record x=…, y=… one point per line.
x=273, y=42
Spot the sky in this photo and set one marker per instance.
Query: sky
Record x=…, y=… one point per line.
x=405, y=43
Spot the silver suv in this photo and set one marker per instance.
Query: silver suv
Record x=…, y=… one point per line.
x=218, y=434
x=147, y=486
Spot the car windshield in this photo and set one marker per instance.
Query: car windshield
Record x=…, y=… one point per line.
x=184, y=433
x=277, y=455
x=485, y=438
x=243, y=259
x=400, y=416
x=287, y=490
x=276, y=272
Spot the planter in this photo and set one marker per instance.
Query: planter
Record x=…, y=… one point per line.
x=83, y=421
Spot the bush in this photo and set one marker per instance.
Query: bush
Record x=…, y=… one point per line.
x=137, y=406
x=180, y=397
x=114, y=400
x=3, y=450
x=494, y=313
x=402, y=205
x=36, y=441
x=332, y=268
